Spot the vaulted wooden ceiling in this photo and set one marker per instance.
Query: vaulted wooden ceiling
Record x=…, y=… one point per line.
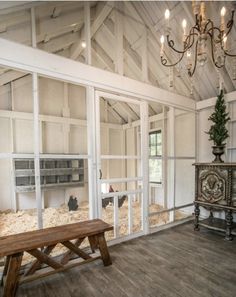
x=60, y=30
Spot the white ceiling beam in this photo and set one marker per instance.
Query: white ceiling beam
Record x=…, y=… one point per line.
x=28, y=59
x=98, y=21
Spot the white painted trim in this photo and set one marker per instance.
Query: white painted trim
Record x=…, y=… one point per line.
x=120, y=157
x=121, y=193
x=117, y=97
x=125, y=238
x=120, y=180
x=29, y=59
x=116, y=216
x=52, y=119
x=156, y=229
x=172, y=166
x=130, y=214
x=98, y=165
x=91, y=141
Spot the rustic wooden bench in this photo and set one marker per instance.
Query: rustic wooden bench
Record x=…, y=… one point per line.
x=40, y=243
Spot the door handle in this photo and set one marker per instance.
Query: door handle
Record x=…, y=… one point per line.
x=100, y=174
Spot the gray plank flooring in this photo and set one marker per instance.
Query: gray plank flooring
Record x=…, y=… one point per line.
x=175, y=262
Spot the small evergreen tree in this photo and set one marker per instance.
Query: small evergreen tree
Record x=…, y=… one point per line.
x=218, y=131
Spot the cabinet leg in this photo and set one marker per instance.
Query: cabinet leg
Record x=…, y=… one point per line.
x=229, y=224
x=196, y=220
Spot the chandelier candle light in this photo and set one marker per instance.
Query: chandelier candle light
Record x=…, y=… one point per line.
x=194, y=43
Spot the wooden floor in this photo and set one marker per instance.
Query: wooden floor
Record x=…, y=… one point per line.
x=174, y=262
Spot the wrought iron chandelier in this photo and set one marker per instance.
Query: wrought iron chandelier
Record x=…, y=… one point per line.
x=195, y=43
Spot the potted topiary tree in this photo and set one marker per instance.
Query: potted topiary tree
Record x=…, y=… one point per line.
x=218, y=132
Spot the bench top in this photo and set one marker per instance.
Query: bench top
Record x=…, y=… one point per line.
x=26, y=241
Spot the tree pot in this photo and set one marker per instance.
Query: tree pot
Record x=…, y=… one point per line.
x=218, y=151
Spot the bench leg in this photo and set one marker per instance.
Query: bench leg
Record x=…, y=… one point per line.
x=93, y=243
x=12, y=276
x=5, y=269
x=102, y=245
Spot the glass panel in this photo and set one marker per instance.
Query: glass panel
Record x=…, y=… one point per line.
x=152, y=150
x=184, y=133
x=108, y=215
x=184, y=187
x=183, y=213
x=136, y=204
x=155, y=171
x=10, y=222
x=152, y=139
x=158, y=220
x=123, y=216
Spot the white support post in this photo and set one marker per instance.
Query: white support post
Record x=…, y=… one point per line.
x=119, y=63
x=36, y=151
x=107, y=140
x=144, y=165
x=41, y=136
x=12, y=135
x=116, y=216
x=92, y=170
x=98, y=198
x=87, y=29
x=124, y=161
x=171, y=165
x=38, y=193
x=130, y=213
x=164, y=155
x=144, y=57
x=196, y=136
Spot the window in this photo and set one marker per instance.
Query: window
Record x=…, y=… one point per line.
x=155, y=153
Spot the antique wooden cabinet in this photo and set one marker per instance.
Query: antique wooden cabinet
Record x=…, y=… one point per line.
x=215, y=190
